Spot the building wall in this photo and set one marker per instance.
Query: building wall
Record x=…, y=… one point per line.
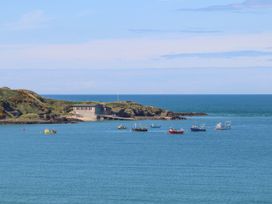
x=85, y=113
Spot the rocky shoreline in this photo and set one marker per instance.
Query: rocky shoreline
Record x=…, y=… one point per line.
x=67, y=121
x=21, y=122
x=27, y=107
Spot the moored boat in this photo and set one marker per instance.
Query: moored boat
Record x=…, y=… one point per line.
x=155, y=126
x=175, y=131
x=225, y=126
x=197, y=128
x=121, y=127
x=139, y=129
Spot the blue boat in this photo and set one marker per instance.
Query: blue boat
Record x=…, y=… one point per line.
x=155, y=126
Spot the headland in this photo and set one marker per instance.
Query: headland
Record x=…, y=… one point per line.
x=20, y=106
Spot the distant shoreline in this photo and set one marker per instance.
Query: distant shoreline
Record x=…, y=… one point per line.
x=71, y=121
x=21, y=106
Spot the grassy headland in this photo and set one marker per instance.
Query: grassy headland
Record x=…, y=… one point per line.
x=24, y=106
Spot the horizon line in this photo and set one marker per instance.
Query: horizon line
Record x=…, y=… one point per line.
x=154, y=94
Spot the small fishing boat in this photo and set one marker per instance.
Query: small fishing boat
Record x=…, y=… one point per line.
x=225, y=126
x=155, y=126
x=49, y=132
x=173, y=131
x=198, y=128
x=121, y=127
x=139, y=129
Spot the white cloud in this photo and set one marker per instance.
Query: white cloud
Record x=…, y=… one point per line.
x=31, y=20
x=138, y=53
x=245, y=5
x=167, y=31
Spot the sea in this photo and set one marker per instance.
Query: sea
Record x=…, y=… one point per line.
x=93, y=162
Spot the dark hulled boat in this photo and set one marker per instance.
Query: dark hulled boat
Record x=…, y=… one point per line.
x=139, y=129
x=196, y=128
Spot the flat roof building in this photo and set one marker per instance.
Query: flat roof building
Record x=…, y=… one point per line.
x=88, y=112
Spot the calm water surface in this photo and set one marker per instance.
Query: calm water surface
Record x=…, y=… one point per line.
x=243, y=105
x=95, y=163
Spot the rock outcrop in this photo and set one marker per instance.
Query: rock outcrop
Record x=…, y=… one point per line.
x=27, y=106
x=24, y=106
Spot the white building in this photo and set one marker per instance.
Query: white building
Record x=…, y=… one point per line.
x=87, y=112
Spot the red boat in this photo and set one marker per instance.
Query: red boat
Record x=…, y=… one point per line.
x=173, y=131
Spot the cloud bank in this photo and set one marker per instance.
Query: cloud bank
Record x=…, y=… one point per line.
x=165, y=31
x=228, y=54
x=211, y=51
x=31, y=20
x=246, y=5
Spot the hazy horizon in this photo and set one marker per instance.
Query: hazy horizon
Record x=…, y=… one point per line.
x=156, y=46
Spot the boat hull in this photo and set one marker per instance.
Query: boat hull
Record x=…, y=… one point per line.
x=155, y=126
x=222, y=128
x=198, y=130
x=121, y=128
x=139, y=129
x=176, y=132
x=226, y=126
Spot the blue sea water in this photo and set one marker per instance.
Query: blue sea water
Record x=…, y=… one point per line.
x=243, y=105
x=95, y=163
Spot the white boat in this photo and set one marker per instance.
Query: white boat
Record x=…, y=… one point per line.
x=225, y=126
x=121, y=127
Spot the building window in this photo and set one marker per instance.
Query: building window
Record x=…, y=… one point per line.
x=89, y=108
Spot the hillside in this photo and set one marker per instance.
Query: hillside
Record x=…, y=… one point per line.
x=24, y=106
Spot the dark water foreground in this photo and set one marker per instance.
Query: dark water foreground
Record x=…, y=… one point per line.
x=95, y=163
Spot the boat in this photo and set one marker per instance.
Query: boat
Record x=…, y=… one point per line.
x=198, y=128
x=173, y=131
x=225, y=126
x=139, y=129
x=49, y=132
x=121, y=127
x=155, y=126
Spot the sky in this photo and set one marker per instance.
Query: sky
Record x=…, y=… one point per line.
x=137, y=47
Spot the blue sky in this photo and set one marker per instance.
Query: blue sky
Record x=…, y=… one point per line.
x=143, y=46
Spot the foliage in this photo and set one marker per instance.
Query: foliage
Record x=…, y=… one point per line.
x=27, y=105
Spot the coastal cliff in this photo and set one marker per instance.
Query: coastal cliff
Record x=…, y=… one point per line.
x=24, y=106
